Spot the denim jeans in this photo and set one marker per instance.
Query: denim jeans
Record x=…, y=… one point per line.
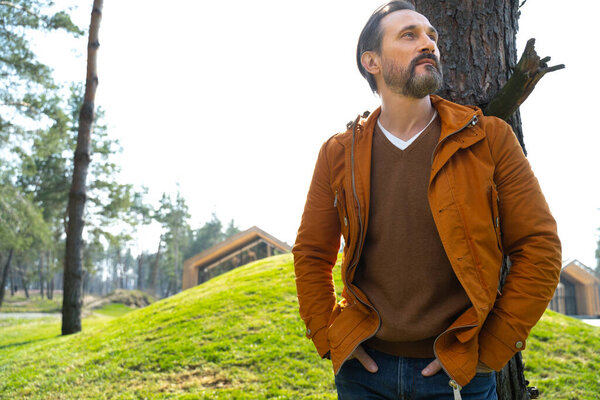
x=400, y=378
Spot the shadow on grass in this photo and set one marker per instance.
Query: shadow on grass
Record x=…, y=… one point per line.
x=7, y=346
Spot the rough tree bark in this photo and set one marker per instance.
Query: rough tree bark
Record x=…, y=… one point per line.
x=72, y=286
x=479, y=57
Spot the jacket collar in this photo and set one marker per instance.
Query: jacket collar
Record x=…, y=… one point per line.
x=454, y=119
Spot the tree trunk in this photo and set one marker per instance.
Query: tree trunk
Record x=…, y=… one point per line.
x=41, y=274
x=24, y=280
x=50, y=275
x=140, y=269
x=13, y=286
x=50, y=291
x=72, y=280
x=121, y=269
x=478, y=52
x=478, y=48
x=115, y=270
x=154, y=272
x=5, y=275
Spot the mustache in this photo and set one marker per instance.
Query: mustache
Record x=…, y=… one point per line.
x=425, y=56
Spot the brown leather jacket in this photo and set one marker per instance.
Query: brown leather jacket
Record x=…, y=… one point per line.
x=485, y=201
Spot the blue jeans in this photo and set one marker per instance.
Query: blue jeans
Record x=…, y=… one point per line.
x=400, y=378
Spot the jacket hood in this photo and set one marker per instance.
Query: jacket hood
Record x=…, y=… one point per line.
x=453, y=116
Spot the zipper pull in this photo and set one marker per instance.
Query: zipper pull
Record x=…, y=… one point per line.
x=335, y=199
x=455, y=389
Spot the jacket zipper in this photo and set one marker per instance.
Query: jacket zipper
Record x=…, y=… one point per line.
x=472, y=122
x=359, y=243
x=456, y=388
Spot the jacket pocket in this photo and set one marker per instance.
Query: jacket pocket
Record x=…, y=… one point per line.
x=347, y=321
x=339, y=202
x=495, y=206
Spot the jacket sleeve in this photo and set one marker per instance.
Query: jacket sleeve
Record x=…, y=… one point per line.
x=530, y=239
x=315, y=254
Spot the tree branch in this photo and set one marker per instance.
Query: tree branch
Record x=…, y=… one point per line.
x=17, y=7
x=527, y=73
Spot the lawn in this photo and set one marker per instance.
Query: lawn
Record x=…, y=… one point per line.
x=238, y=336
x=563, y=358
x=20, y=303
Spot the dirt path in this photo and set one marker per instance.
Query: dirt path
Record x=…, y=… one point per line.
x=28, y=315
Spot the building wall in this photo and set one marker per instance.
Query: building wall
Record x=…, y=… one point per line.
x=575, y=298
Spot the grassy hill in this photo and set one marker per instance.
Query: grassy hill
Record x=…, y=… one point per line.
x=237, y=336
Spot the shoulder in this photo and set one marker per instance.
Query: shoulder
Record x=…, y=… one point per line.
x=494, y=125
x=498, y=132
x=339, y=141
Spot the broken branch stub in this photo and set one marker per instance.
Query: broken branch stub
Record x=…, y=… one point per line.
x=526, y=74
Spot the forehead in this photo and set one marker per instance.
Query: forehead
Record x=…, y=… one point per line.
x=398, y=20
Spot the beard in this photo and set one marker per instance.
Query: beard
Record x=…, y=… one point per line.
x=404, y=81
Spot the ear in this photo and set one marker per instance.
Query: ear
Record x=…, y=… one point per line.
x=371, y=62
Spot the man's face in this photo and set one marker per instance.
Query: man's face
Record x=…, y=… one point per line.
x=409, y=54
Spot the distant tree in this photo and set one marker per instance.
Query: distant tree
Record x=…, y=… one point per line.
x=128, y=270
x=207, y=236
x=28, y=94
x=142, y=270
x=22, y=228
x=141, y=214
x=153, y=278
x=231, y=230
x=173, y=216
x=73, y=283
x=27, y=84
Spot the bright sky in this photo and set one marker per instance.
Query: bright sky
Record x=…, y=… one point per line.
x=232, y=100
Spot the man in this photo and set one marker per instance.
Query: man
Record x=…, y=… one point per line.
x=428, y=196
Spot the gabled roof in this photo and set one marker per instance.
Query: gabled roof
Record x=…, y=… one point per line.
x=578, y=272
x=239, y=240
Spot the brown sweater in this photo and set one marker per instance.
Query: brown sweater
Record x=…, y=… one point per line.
x=404, y=269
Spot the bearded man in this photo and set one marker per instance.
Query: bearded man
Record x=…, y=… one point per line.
x=429, y=196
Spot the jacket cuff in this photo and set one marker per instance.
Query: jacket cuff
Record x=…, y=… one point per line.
x=498, y=342
x=316, y=329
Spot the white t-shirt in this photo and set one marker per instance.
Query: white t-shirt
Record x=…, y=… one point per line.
x=399, y=143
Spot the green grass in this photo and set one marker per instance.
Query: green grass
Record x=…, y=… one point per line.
x=563, y=358
x=237, y=336
x=113, y=309
x=19, y=303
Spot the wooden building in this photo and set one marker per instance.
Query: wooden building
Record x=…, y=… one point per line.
x=578, y=292
x=241, y=248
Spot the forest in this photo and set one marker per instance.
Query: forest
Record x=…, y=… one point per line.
x=39, y=120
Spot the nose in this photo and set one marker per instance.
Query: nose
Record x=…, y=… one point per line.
x=427, y=44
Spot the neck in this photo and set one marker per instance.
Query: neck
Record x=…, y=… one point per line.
x=404, y=116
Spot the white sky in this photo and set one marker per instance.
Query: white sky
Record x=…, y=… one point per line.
x=232, y=100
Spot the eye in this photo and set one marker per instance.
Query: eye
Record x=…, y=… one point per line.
x=409, y=35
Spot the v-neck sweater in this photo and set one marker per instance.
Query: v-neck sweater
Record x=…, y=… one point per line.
x=403, y=269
